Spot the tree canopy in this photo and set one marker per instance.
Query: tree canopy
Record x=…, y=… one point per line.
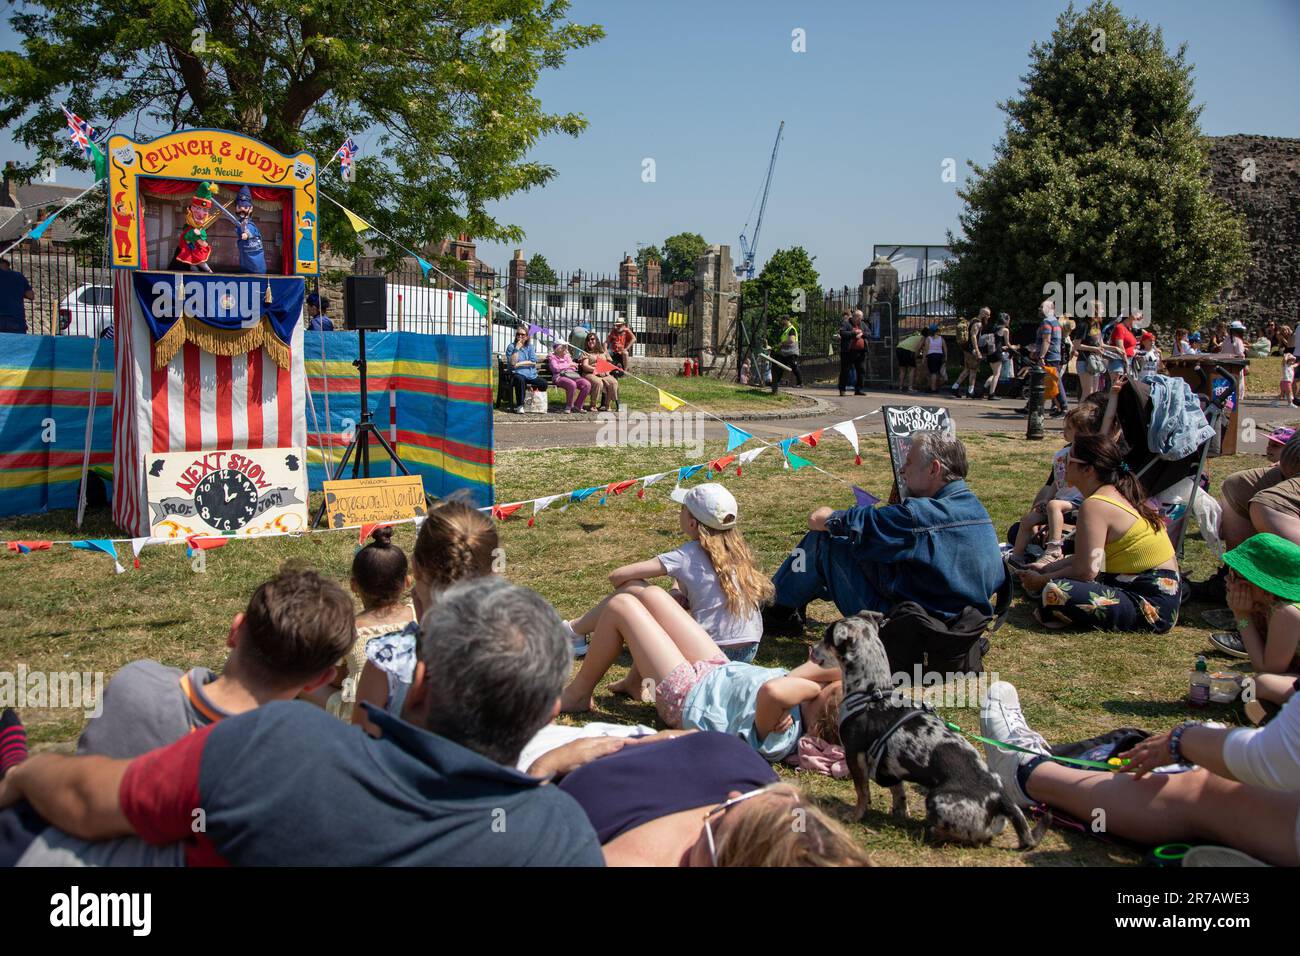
x=680, y=253
x=438, y=93
x=792, y=284
x=1100, y=174
x=539, y=271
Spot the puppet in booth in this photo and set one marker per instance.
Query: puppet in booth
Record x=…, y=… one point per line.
x=252, y=258
x=192, y=248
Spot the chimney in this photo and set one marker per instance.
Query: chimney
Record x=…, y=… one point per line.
x=627, y=277
x=517, y=273
x=653, y=276
x=9, y=195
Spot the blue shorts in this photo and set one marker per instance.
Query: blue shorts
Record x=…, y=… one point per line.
x=744, y=653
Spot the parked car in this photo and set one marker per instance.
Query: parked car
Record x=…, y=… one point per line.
x=87, y=310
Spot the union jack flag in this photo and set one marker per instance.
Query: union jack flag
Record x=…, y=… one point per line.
x=82, y=133
x=345, y=154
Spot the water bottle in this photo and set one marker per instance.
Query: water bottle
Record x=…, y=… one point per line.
x=1198, y=695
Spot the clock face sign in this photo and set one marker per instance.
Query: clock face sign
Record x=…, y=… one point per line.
x=226, y=499
x=235, y=492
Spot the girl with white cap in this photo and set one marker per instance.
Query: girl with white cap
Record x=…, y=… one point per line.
x=697, y=661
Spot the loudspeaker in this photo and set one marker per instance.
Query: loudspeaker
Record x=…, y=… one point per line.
x=365, y=303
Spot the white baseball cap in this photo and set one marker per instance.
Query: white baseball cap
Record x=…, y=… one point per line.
x=1237, y=324
x=711, y=504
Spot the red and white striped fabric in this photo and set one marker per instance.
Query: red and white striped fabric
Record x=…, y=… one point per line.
x=199, y=402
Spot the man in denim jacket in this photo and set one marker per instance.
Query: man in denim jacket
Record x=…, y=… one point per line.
x=937, y=548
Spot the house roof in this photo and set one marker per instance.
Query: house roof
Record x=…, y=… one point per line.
x=38, y=200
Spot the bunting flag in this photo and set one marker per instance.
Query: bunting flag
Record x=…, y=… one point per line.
x=540, y=505
x=27, y=547
x=103, y=545
x=359, y=224
x=477, y=303
x=368, y=529
x=850, y=431
x=502, y=512
x=425, y=266
x=791, y=459
x=582, y=494
x=687, y=471
x=670, y=402
x=812, y=438
x=39, y=230
x=720, y=463
x=865, y=499
x=138, y=545
x=604, y=367
x=649, y=480
x=618, y=487
x=746, y=457
x=735, y=436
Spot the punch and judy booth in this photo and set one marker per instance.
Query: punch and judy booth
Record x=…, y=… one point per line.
x=212, y=234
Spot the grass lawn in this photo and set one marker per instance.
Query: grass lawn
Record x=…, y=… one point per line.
x=717, y=395
x=65, y=610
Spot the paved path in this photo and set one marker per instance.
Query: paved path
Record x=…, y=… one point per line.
x=971, y=415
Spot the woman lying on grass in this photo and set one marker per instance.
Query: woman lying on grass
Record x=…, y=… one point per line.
x=696, y=686
x=1244, y=792
x=682, y=798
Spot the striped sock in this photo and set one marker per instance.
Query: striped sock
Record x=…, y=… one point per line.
x=13, y=740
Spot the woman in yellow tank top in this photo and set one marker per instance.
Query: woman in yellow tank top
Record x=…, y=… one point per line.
x=1123, y=575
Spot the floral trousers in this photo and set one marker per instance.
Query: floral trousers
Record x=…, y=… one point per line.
x=1115, y=602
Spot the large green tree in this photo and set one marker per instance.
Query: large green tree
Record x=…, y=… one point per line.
x=792, y=286
x=440, y=93
x=680, y=253
x=1100, y=174
x=539, y=271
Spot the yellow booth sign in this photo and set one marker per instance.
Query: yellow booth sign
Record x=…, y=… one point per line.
x=149, y=183
x=362, y=501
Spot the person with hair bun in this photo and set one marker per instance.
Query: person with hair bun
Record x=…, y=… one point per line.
x=1123, y=575
x=456, y=542
x=380, y=580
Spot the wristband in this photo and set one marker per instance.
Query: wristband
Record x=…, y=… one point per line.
x=1175, y=741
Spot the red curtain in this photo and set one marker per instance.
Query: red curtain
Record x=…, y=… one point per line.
x=271, y=194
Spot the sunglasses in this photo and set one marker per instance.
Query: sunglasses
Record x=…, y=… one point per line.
x=722, y=808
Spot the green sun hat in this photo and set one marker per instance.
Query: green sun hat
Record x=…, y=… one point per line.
x=1269, y=562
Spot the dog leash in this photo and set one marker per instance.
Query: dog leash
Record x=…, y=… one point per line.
x=1114, y=764
x=858, y=701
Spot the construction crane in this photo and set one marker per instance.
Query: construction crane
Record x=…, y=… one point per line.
x=747, y=249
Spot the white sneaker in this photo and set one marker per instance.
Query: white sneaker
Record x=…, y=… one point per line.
x=1002, y=719
x=576, y=640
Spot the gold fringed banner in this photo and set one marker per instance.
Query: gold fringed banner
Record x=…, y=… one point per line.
x=219, y=341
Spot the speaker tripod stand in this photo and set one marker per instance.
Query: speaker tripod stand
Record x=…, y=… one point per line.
x=358, y=449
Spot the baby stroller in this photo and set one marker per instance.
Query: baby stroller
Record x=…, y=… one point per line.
x=1175, y=480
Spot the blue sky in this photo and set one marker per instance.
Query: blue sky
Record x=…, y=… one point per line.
x=884, y=93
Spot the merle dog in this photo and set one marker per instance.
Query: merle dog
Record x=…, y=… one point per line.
x=891, y=740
